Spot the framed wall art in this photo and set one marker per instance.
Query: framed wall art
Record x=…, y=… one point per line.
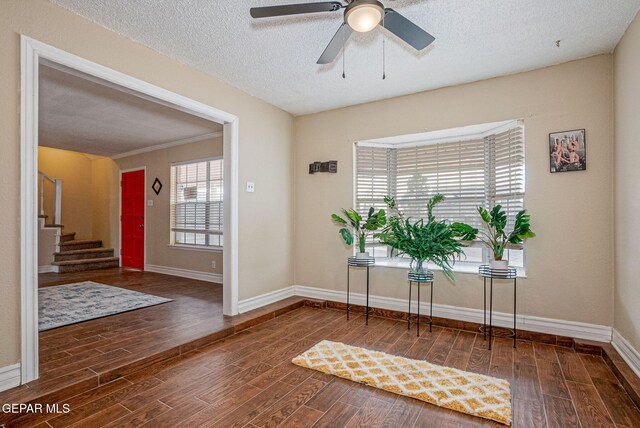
x=568, y=151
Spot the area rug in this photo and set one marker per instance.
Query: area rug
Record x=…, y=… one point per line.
x=71, y=303
x=478, y=395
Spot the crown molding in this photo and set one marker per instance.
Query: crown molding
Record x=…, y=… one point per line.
x=170, y=144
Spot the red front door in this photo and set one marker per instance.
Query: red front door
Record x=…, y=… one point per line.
x=132, y=219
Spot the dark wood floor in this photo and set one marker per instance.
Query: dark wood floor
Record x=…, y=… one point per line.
x=247, y=380
x=100, y=344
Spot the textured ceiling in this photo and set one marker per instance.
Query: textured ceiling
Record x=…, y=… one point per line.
x=90, y=116
x=275, y=58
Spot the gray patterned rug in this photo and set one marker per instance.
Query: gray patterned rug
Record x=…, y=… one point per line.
x=71, y=303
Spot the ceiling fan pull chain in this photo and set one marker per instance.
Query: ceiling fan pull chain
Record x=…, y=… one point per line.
x=384, y=63
x=344, y=53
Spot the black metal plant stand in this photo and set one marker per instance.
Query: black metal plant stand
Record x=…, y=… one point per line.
x=485, y=272
x=356, y=262
x=420, y=279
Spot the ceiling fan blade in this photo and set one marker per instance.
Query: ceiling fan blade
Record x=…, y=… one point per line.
x=337, y=42
x=294, y=9
x=406, y=30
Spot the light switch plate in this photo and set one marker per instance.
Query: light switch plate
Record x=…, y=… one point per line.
x=150, y=202
x=251, y=187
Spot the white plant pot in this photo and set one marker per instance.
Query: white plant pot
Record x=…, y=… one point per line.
x=499, y=264
x=361, y=256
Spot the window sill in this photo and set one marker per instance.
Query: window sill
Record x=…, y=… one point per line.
x=195, y=248
x=468, y=268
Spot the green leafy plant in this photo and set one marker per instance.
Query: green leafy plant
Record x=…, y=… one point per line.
x=439, y=242
x=495, y=236
x=355, y=228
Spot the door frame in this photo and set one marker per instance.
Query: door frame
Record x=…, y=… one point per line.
x=32, y=53
x=119, y=249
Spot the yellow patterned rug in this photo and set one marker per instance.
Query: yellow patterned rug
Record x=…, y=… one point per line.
x=471, y=393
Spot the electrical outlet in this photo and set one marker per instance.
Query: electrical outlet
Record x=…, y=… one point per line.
x=213, y=264
x=251, y=187
x=150, y=202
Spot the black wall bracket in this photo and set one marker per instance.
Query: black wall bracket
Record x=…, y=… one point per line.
x=329, y=166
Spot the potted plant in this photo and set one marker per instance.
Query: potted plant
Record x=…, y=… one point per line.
x=495, y=237
x=355, y=228
x=424, y=240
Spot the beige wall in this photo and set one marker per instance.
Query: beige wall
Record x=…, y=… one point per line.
x=158, y=164
x=569, y=264
x=75, y=171
x=105, y=188
x=627, y=185
x=264, y=152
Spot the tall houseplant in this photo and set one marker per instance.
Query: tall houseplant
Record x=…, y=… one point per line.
x=355, y=228
x=424, y=240
x=497, y=239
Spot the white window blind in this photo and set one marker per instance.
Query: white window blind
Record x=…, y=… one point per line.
x=197, y=203
x=477, y=171
x=456, y=170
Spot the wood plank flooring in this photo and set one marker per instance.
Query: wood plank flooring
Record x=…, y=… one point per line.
x=247, y=380
x=108, y=342
x=85, y=355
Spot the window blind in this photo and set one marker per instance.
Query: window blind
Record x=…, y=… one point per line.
x=477, y=171
x=197, y=203
x=454, y=169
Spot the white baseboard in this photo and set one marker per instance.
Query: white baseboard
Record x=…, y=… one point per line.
x=9, y=377
x=573, y=329
x=185, y=273
x=264, y=299
x=47, y=268
x=628, y=353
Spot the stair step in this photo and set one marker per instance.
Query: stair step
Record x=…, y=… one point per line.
x=54, y=225
x=66, y=237
x=80, y=244
x=87, y=264
x=43, y=216
x=87, y=253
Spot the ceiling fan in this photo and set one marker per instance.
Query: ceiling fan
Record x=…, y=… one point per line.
x=359, y=15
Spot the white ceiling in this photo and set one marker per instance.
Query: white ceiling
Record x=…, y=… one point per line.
x=275, y=59
x=83, y=114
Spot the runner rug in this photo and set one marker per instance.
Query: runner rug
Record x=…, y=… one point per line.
x=475, y=394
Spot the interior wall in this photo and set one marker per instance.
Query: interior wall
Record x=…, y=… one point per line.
x=75, y=171
x=569, y=264
x=627, y=185
x=264, y=148
x=158, y=164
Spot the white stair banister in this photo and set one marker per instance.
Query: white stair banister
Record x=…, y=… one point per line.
x=42, y=176
x=57, y=218
x=58, y=202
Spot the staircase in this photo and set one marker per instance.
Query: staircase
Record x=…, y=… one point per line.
x=70, y=254
x=77, y=255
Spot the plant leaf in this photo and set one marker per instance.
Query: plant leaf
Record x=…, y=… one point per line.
x=347, y=236
x=338, y=219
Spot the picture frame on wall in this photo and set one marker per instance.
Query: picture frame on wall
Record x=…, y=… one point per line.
x=568, y=151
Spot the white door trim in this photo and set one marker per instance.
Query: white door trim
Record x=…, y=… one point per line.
x=119, y=248
x=32, y=53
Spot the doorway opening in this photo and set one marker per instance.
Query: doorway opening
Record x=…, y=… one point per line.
x=131, y=251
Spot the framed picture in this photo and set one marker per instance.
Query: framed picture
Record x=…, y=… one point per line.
x=568, y=151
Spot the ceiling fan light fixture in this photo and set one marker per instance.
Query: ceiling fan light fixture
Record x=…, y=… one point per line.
x=363, y=15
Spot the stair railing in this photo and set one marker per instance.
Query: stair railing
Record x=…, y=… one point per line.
x=58, y=196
